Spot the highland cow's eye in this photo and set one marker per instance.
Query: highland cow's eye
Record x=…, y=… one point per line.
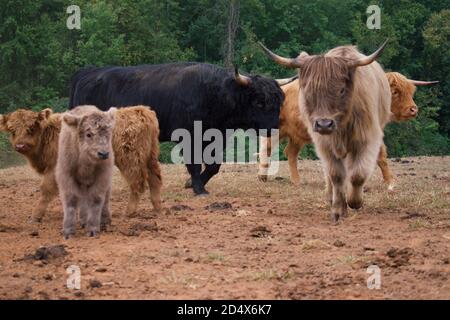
x=342, y=92
x=89, y=135
x=395, y=92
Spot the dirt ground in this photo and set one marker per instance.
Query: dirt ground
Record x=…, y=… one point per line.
x=246, y=240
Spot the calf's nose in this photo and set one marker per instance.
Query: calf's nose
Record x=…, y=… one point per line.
x=326, y=124
x=413, y=110
x=103, y=155
x=20, y=147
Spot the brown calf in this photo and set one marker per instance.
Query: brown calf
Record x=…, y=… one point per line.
x=35, y=135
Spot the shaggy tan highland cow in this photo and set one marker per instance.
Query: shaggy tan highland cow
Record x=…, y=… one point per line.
x=344, y=100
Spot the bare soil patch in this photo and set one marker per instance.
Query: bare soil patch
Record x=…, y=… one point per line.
x=246, y=240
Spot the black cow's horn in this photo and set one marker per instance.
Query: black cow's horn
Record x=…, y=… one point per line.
x=369, y=59
x=282, y=82
x=422, y=83
x=287, y=62
x=241, y=79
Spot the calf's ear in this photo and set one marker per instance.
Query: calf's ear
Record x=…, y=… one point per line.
x=3, y=120
x=71, y=120
x=112, y=112
x=45, y=114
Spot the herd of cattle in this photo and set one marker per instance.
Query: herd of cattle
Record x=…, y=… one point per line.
x=340, y=101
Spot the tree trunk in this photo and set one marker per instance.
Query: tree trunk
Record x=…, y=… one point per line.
x=232, y=26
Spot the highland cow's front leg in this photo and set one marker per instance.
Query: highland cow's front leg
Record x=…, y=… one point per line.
x=384, y=167
x=336, y=175
x=359, y=167
x=95, y=203
x=291, y=151
x=197, y=184
x=49, y=190
x=265, y=152
x=70, y=205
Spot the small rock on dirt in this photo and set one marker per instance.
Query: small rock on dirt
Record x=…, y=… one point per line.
x=180, y=207
x=339, y=244
x=47, y=253
x=34, y=233
x=219, y=206
x=101, y=270
x=50, y=252
x=260, y=232
x=137, y=228
x=410, y=215
x=94, y=283
x=400, y=257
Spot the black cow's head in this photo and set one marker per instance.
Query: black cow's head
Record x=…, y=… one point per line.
x=259, y=101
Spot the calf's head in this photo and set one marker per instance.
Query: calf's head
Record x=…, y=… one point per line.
x=94, y=131
x=403, y=106
x=25, y=128
x=260, y=100
x=326, y=85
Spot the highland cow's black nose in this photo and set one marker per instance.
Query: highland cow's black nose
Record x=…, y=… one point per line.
x=324, y=126
x=103, y=155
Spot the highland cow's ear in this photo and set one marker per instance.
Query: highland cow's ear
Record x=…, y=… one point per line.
x=3, y=120
x=45, y=114
x=71, y=120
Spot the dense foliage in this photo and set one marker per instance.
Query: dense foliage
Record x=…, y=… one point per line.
x=38, y=53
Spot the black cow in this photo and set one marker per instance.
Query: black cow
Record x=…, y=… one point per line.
x=181, y=93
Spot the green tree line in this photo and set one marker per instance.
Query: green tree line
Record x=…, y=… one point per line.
x=38, y=53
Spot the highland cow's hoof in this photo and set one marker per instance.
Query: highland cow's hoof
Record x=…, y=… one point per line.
x=92, y=234
x=104, y=227
x=82, y=225
x=202, y=193
x=188, y=183
x=68, y=235
x=335, y=217
x=262, y=178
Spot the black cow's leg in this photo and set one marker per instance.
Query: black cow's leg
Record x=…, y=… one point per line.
x=210, y=171
x=197, y=184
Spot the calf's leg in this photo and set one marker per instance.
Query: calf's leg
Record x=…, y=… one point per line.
x=105, y=219
x=95, y=205
x=49, y=190
x=155, y=183
x=70, y=206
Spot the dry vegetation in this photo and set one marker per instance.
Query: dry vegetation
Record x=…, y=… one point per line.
x=275, y=241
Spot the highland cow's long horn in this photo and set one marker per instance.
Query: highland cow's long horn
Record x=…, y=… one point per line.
x=369, y=59
x=241, y=79
x=422, y=83
x=287, y=62
x=282, y=82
